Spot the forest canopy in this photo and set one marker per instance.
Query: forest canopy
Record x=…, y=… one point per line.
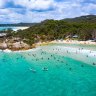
x=83, y=27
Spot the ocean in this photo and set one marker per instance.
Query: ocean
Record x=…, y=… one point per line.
x=50, y=70
x=13, y=28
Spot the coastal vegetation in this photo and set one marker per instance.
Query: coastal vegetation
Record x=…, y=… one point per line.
x=81, y=28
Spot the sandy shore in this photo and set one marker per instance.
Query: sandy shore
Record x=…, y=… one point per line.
x=21, y=28
x=17, y=46
x=74, y=42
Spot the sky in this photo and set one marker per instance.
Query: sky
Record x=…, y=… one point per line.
x=16, y=11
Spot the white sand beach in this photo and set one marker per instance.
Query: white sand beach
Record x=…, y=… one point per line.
x=73, y=42
x=19, y=28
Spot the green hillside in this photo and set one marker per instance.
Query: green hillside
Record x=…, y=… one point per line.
x=83, y=27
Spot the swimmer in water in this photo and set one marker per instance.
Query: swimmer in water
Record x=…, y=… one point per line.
x=45, y=69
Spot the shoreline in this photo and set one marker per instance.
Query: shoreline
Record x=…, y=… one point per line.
x=74, y=42
x=21, y=28
x=36, y=45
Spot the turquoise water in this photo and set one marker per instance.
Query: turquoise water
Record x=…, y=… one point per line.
x=66, y=73
x=4, y=28
x=13, y=28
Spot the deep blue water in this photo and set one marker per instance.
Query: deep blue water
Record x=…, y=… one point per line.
x=23, y=74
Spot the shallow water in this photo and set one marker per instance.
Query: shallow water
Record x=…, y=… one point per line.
x=13, y=28
x=65, y=74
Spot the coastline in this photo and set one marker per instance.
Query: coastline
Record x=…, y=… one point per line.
x=74, y=42
x=36, y=45
x=20, y=28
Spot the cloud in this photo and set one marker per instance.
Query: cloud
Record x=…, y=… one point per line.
x=38, y=10
x=2, y=2
x=35, y=4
